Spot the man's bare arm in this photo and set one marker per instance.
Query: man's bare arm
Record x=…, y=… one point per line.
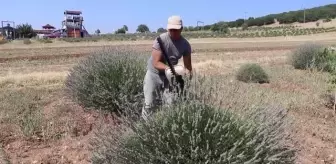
x=156, y=60
x=187, y=63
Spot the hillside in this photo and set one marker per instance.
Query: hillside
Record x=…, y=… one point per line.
x=322, y=24
x=322, y=13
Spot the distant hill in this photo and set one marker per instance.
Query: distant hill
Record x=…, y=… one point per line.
x=325, y=13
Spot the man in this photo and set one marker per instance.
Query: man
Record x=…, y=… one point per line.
x=156, y=83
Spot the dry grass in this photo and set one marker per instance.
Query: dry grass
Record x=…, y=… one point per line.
x=25, y=90
x=21, y=74
x=22, y=108
x=287, y=88
x=298, y=91
x=25, y=67
x=32, y=79
x=65, y=127
x=3, y=157
x=313, y=24
x=37, y=123
x=225, y=62
x=64, y=52
x=35, y=47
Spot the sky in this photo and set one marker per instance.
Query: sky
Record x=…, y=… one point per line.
x=109, y=15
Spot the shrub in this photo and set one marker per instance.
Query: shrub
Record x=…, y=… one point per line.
x=313, y=56
x=194, y=132
x=252, y=72
x=120, y=31
x=328, y=60
x=330, y=96
x=110, y=80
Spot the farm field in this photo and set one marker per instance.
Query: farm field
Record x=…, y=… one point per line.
x=38, y=124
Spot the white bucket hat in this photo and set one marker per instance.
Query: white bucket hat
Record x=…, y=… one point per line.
x=174, y=22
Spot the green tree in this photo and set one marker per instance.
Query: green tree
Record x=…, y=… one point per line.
x=215, y=27
x=120, y=31
x=220, y=27
x=142, y=28
x=125, y=28
x=97, y=31
x=240, y=22
x=161, y=30
x=25, y=31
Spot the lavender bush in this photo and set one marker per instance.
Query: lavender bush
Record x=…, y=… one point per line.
x=195, y=131
x=109, y=80
x=252, y=72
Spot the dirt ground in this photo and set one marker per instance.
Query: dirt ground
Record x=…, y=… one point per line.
x=58, y=130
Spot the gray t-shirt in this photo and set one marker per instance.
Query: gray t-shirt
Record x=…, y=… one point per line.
x=175, y=49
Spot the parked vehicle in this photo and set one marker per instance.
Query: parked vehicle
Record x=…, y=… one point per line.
x=54, y=34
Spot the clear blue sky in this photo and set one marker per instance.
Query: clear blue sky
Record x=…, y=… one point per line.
x=109, y=15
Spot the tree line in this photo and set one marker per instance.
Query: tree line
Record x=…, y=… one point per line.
x=142, y=28
x=326, y=13
x=21, y=31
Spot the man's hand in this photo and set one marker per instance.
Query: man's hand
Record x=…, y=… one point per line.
x=168, y=70
x=187, y=64
x=190, y=75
